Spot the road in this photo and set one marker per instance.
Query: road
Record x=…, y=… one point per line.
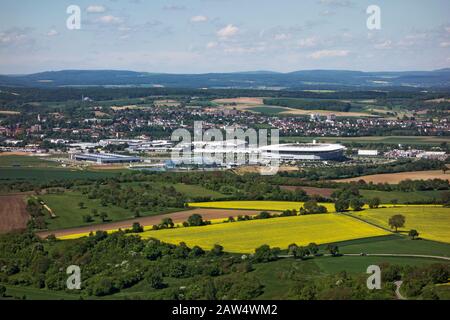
x=399, y=255
x=382, y=255
x=398, y=294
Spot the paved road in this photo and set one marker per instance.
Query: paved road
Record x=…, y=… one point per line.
x=383, y=255
x=400, y=255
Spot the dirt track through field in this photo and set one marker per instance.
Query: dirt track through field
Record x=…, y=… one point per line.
x=13, y=213
x=177, y=217
x=394, y=178
x=311, y=191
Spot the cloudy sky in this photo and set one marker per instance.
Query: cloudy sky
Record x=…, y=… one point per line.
x=197, y=36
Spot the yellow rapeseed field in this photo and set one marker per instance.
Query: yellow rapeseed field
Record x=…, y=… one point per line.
x=432, y=222
x=245, y=236
x=256, y=205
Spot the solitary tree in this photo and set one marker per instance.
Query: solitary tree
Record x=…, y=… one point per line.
x=413, y=234
x=87, y=218
x=195, y=220
x=374, y=203
x=264, y=215
x=103, y=216
x=356, y=204
x=445, y=196
x=292, y=248
x=167, y=223
x=81, y=204
x=341, y=205
x=136, y=228
x=300, y=252
x=396, y=221
x=155, y=279
x=313, y=248
x=333, y=249
x=217, y=250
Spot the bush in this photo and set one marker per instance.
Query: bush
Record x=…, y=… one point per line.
x=87, y=218
x=137, y=228
x=264, y=215
x=311, y=207
x=265, y=254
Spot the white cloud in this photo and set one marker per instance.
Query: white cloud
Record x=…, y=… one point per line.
x=282, y=36
x=445, y=44
x=199, y=19
x=329, y=53
x=384, y=45
x=244, y=50
x=95, y=9
x=14, y=36
x=228, y=31
x=174, y=7
x=337, y=3
x=110, y=19
x=327, y=13
x=308, y=42
x=52, y=33
x=211, y=45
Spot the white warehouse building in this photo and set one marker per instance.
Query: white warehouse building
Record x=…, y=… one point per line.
x=304, y=151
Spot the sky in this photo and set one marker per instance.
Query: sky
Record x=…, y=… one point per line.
x=201, y=36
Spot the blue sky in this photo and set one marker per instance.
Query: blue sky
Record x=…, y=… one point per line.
x=197, y=36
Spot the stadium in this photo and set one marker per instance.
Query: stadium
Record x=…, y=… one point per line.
x=303, y=151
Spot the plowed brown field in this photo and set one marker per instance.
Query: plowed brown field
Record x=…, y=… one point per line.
x=13, y=213
x=394, y=178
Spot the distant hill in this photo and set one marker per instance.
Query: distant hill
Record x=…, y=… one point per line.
x=249, y=79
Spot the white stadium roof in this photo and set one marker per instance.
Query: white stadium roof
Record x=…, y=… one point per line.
x=305, y=147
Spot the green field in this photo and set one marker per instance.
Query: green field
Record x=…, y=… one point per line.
x=69, y=214
x=49, y=174
x=395, y=243
x=268, y=109
x=25, y=161
x=402, y=197
x=66, y=206
x=414, y=140
x=193, y=191
x=30, y=293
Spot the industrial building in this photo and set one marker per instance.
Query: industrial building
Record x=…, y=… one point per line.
x=104, y=158
x=367, y=153
x=303, y=151
x=292, y=151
